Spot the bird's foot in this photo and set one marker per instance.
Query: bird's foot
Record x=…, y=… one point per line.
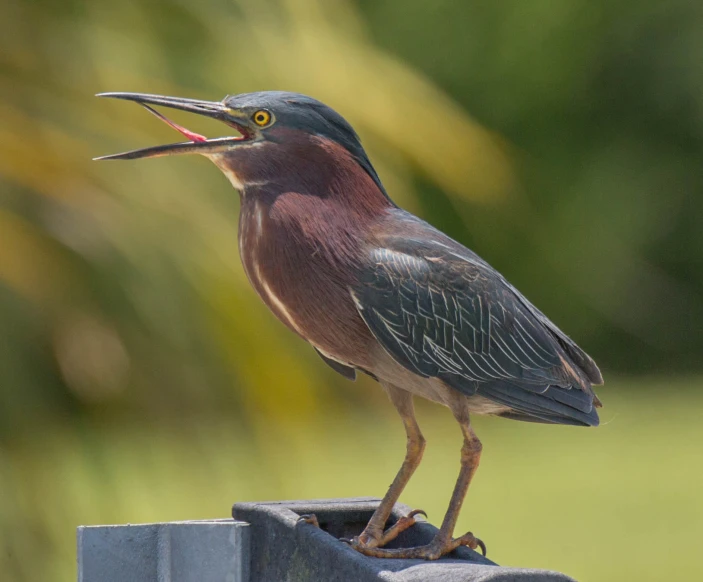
x=310, y=518
x=370, y=539
x=437, y=548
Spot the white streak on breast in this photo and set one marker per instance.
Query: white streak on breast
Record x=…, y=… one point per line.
x=259, y=220
x=278, y=304
x=251, y=226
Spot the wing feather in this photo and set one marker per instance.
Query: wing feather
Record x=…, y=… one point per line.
x=443, y=312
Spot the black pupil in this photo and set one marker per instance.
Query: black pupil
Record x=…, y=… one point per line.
x=261, y=117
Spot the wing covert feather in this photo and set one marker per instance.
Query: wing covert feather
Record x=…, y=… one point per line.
x=451, y=316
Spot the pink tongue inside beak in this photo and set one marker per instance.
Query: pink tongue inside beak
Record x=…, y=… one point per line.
x=192, y=136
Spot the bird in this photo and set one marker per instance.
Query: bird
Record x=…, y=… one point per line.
x=376, y=290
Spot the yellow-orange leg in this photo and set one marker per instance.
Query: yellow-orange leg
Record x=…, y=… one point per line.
x=373, y=535
x=443, y=542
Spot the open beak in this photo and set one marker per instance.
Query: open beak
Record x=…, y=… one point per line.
x=196, y=144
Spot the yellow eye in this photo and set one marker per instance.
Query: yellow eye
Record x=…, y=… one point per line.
x=261, y=117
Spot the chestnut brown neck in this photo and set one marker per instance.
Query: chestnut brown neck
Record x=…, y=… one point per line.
x=307, y=230
x=295, y=161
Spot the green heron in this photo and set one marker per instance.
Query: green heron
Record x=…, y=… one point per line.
x=375, y=289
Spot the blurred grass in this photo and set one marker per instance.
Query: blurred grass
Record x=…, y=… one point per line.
x=621, y=502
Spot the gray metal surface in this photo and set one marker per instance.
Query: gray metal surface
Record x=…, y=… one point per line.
x=188, y=551
x=275, y=547
x=286, y=550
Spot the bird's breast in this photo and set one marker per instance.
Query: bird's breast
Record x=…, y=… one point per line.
x=304, y=284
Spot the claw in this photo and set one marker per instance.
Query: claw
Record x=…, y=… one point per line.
x=369, y=539
x=432, y=551
x=310, y=518
x=471, y=541
x=415, y=512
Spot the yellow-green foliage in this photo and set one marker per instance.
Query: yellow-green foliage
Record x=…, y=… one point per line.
x=141, y=378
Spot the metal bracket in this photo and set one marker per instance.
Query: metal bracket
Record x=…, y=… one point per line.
x=283, y=548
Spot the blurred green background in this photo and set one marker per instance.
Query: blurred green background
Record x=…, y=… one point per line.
x=141, y=378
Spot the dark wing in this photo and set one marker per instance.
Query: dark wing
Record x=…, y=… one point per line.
x=347, y=371
x=440, y=311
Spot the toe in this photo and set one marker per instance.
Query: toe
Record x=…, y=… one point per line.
x=471, y=541
x=310, y=518
x=403, y=523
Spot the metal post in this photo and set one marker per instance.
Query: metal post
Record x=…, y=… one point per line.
x=266, y=542
x=187, y=551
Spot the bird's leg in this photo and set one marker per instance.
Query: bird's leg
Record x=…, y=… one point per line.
x=373, y=535
x=443, y=542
